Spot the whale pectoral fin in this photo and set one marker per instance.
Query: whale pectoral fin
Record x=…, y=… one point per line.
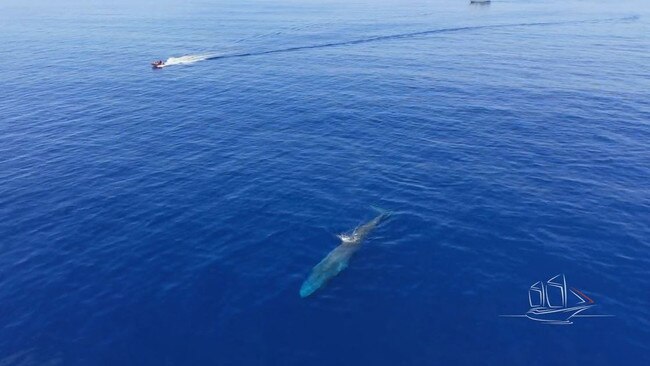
x=341, y=266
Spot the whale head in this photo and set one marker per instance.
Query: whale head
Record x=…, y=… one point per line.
x=313, y=283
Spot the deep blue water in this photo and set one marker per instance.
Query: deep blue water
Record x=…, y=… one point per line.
x=169, y=217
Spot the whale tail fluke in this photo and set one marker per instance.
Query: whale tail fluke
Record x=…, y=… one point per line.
x=384, y=213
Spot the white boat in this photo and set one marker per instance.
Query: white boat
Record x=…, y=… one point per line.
x=158, y=64
x=551, y=302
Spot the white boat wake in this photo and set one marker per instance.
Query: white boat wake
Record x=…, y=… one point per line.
x=190, y=59
x=187, y=59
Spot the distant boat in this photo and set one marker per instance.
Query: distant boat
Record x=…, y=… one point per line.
x=479, y=1
x=158, y=64
x=550, y=302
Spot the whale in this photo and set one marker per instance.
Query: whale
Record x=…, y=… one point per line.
x=337, y=260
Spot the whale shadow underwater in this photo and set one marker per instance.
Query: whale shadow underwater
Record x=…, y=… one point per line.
x=337, y=260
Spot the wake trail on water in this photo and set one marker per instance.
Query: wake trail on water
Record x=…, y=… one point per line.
x=188, y=59
x=195, y=58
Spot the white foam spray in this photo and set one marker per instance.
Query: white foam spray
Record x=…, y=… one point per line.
x=186, y=60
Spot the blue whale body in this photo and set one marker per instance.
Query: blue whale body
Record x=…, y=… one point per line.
x=337, y=260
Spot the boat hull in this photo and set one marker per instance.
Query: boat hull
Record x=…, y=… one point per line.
x=555, y=316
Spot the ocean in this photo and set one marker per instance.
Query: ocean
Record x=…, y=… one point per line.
x=170, y=217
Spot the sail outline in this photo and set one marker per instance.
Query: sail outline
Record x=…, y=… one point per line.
x=549, y=301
